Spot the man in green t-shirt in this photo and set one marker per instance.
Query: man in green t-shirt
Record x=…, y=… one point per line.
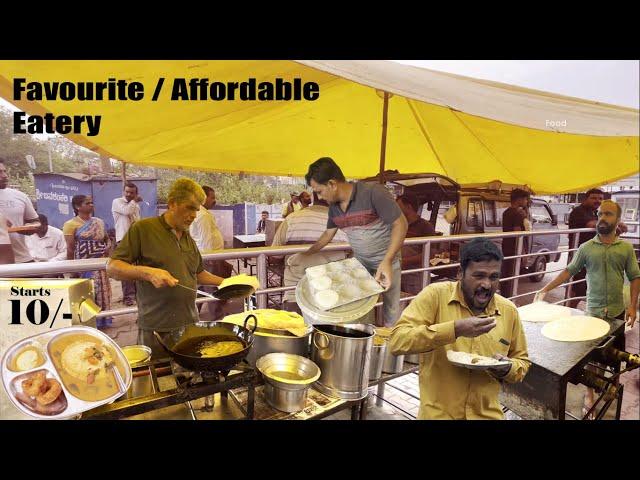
x=158, y=253
x=607, y=260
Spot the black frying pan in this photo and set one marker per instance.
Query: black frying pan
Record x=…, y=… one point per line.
x=222, y=331
x=233, y=291
x=226, y=293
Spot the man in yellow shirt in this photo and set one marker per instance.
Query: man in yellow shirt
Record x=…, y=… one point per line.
x=449, y=316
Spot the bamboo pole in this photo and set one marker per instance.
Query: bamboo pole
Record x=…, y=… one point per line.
x=383, y=143
x=124, y=175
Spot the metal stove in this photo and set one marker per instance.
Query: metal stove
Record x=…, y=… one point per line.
x=147, y=394
x=597, y=364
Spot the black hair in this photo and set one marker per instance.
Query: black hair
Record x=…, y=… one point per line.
x=323, y=170
x=131, y=185
x=479, y=250
x=411, y=200
x=207, y=190
x=518, y=193
x=43, y=218
x=592, y=191
x=264, y=211
x=77, y=201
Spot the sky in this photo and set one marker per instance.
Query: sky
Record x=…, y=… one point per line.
x=609, y=81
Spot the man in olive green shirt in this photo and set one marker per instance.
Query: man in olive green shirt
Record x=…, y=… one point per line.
x=607, y=259
x=452, y=316
x=158, y=253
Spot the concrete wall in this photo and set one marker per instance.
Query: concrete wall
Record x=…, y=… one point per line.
x=54, y=193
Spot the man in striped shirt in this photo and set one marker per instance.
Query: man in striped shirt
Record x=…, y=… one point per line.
x=305, y=227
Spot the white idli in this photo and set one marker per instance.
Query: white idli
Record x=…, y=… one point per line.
x=369, y=285
x=335, y=267
x=315, y=272
x=326, y=299
x=360, y=273
x=321, y=283
x=349, y=292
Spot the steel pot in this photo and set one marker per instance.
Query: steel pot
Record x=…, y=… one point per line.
x=392, y=363
x=343, y=353
x=413, y=358
x=265, y=343
x=287, y=380
x=377, y=359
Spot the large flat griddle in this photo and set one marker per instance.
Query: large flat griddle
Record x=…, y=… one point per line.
x=560, y=358
x=542, y=393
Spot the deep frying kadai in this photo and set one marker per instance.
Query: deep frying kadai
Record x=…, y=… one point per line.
x=174, y=340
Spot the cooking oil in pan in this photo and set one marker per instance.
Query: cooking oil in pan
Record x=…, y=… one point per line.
x=212, y=346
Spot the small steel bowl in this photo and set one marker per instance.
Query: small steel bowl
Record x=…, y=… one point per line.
x=136, y=354
x=287, y=378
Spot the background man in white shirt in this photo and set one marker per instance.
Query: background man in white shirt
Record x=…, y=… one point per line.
x=205, y=232
x=18, y=210
x=48, y=243
x=204, y=228
x=126, y=210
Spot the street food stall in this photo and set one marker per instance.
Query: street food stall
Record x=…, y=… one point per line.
x=431, y=121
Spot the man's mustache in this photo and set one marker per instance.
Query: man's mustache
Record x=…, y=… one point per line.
x=482, y=290
x=604, y=226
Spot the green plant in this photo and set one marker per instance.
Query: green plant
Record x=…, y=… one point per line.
x=66, y=157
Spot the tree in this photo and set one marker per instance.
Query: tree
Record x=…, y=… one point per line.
x=68, y=157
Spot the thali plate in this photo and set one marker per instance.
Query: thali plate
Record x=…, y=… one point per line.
x=19, y=378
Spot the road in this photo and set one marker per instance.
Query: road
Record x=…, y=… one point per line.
x=525, y=285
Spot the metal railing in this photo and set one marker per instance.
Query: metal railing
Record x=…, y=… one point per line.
x=261, y=255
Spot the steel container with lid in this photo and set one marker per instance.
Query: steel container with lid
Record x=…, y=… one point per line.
x=343, y=353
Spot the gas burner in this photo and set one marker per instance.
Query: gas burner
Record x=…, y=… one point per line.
x=198, y=378
x=189, y=378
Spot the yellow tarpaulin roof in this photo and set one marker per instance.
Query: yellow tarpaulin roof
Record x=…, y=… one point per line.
x=469, y=130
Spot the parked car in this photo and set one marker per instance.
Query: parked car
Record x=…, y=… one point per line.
x=477, y=208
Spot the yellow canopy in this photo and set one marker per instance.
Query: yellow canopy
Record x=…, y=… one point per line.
x=469, y=130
